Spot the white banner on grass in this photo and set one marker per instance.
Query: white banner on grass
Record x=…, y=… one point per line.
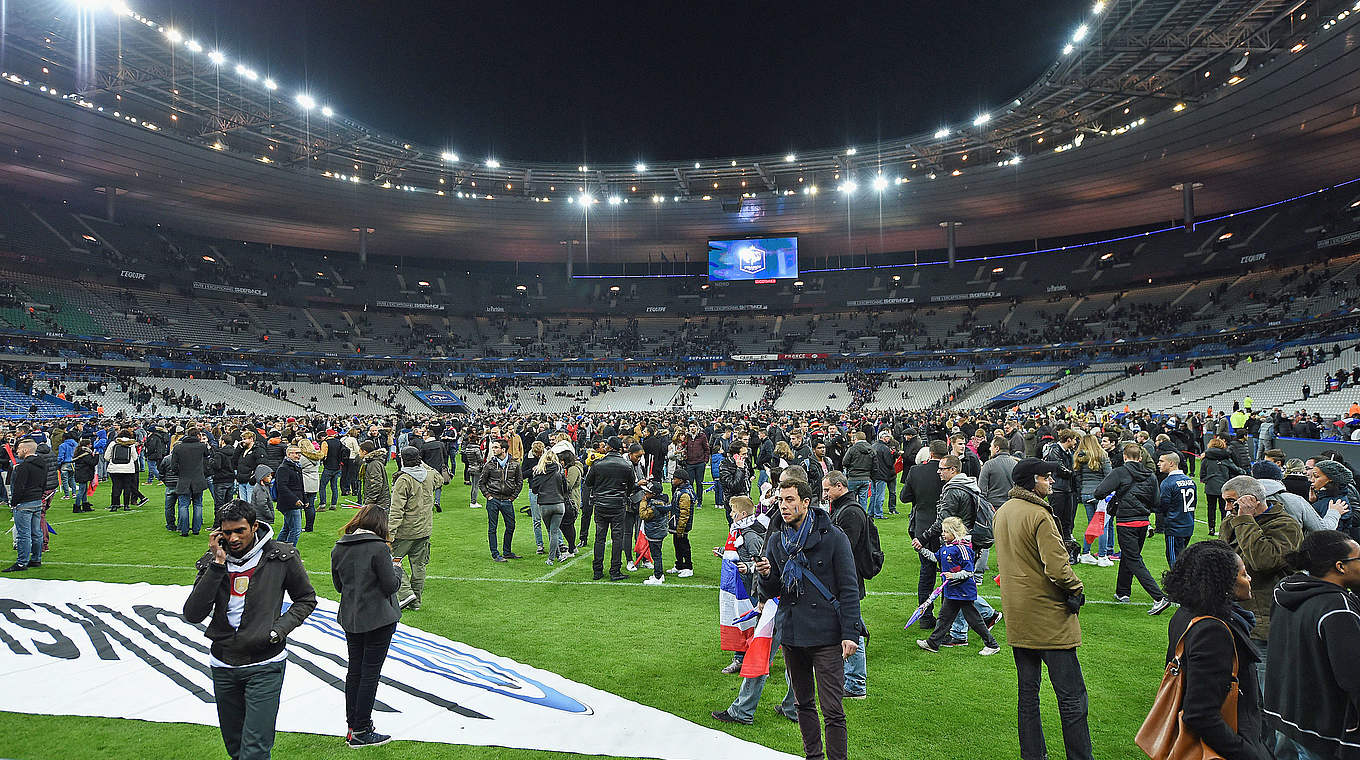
x=124, y=650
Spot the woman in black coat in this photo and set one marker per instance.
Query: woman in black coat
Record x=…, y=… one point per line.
x=1208, y=580
x=83, y=463
x=1218, y=466
x=367, y=578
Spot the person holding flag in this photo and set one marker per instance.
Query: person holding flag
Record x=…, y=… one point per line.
x=745, y=543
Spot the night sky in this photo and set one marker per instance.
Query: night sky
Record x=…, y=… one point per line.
x=644, y=80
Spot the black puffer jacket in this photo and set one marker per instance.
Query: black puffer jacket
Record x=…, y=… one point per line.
x=1218, y=467
x=1135, y=490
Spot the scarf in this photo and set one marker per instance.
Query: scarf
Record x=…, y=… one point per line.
x=794, y=539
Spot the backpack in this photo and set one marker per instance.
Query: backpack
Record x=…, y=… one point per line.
x=980, y=530
x=875, y=553
x=122, y=454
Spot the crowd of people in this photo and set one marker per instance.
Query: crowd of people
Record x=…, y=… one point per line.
x=801, y=494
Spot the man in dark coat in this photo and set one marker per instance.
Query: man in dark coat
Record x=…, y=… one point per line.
x=810, y=566
x=190, y=460
x=922, y=489
x=1136, y=498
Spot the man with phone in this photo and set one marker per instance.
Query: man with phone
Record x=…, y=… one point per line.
x=810, y=566
x=243, y=563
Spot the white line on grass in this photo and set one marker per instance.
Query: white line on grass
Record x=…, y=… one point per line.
x=560, y=567
x=468, y=579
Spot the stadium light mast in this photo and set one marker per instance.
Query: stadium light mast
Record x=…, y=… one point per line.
x=1187, y=191
x=950, y=240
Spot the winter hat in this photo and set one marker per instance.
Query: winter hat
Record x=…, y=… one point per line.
x=1027, y=469
x=1267, y=470
x=680, y=474
x=1335, y=472
x=410, y=456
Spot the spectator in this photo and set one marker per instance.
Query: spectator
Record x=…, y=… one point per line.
x=501, y=480
x=123, y=457
x=1316, y=629
x=1041, y=596
x=922, y=487
x=189, y=460
x=411, y=521
x=1090, y=465
x=1135, y=498
x=1217, y=468
x=1209, y=636
x=363, y=571
x=1175, y=506
x=955, y=558
x=27, y=483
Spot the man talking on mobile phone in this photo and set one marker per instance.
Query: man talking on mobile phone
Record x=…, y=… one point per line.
x=243, y=563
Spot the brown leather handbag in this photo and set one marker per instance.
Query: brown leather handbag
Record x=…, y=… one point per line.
x=1164, y=735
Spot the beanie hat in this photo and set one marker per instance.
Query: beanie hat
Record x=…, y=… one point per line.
x=1267, y=470
x=1335, y=472
x=410, y=456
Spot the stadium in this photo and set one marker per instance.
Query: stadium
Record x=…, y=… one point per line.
x=1155, y=243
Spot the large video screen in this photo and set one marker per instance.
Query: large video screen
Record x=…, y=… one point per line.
x=766, y=258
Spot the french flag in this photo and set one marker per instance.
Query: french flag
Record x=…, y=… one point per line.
x=734, y=604
x=757, y=661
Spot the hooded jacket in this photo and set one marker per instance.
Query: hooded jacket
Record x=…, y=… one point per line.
x=1297, y=507
x=1262, y=542
x=1135, y=490
x=279, y=570
x=129, y=467
x=412, y=512
x=259, y=496
x=373, y=479
x=850, y=517
x=958, y=498
x=1316, y=700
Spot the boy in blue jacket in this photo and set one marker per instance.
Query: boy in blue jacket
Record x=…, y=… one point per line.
x=955, y=559
x=1175, y=506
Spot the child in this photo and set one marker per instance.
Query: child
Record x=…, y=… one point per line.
x=259, y=495
x=655, y=512
x=955, y=559
x=745, y=544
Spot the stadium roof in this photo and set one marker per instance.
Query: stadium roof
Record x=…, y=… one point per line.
x=1243, y=96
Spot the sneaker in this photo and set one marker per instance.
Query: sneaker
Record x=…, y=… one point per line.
x=1121, y=599
x=989, y=651
x=673, y=570
x=927, y=624
x=499, y=559
x=540, y=550
x=1105, y=562
x=1157, y=608
x=926, y=645
x=408, y=601
x=648, y=564
x=726, y=717
x=1114, y=556
x=655, y=580
x=686, y=573
x=955, y=643
x=853, y=695
x=15, y=568
x=142, y=501
x=548, y=562
x=367, y=739
x=1087, y=559
x=474, y=505
x=993, y=620
x=732, y=667
x=632, y=567
x=512, y=555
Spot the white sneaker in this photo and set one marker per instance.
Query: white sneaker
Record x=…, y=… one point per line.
x=1105, y=562
x=475, y=505
x=632, y=567
x=649, y=565
x=989, y=651
x=655, y=580
x=1087, y=559
x=408, y=601
x=673, y=570
x=686, y=573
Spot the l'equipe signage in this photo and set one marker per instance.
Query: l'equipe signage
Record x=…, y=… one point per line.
x=130, y=642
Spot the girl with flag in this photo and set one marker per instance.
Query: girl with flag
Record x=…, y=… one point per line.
x=955, y=559
x=745, y=543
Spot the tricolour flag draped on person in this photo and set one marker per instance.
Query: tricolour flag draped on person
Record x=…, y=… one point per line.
x=757, y=661
x=734, y=604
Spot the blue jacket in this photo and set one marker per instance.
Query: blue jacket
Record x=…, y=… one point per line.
x=66, y=451
x=101, y=441
x=1176, y=505
x=957, y=558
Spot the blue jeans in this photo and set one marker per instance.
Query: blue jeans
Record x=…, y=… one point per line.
x=744, y=706
x=331, y=478
x=243, y=491
x=292, y=526
x=28, y=531
x=877, y=494
x=184, y=500
x=1103, y=543
x=537, y=517
x=857, y=671
x=171, y=515
x=152, y=471
x=959, y=630
x=762, y=477
x=860, y=488
x=496, y=509
x=68, y=480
